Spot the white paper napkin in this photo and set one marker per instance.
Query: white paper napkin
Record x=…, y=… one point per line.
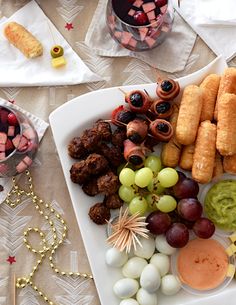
x=221, y=39
x=40, y=126
x=216, y=12
x=17, y=70
x=171, y=56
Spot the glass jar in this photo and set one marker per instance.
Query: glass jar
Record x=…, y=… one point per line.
x=121, y=19
x=18, y=141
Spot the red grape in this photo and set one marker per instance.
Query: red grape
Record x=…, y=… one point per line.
x=158, y=222
x=181, y=176
x=186, y=188
x=189, y=209
x=177, y=235
x=204, y=228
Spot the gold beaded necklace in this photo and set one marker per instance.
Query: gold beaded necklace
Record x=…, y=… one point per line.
x=14, y=198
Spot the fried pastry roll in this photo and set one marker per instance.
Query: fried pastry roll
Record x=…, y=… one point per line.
x=229, y=164
x=189, y=115
x=23, y=40
x=210, y=86
x=204, y=154
x=226, y=125
x=227, y=85
x=218, y=167
x=171, y=151
x=186, y=158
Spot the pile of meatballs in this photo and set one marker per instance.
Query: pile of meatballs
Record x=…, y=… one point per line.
x=99, y=152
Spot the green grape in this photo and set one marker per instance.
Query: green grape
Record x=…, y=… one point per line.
x=155, y=187
x=143, y=177
x=123, y=165
x=154, y=163
x=152, y=199
x=168, y=177
x=166, y=204
x=126, y=193
x=127, y=176
x=138, y=205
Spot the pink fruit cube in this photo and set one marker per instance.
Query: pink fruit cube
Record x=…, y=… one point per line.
x=23, y=145
x=151, y=15
x=133, y=42
x=2, y=155
x=138, y=3
x=143, y=33
x=117, y=34
x=131, y=12
x=165, y=28
x=2, y=147
x=11, y=131
x=150, y=41
x=29, y=134
x=16, y=140
x=3, y=138
x=126, y=36
x=21, y=167
x=27, y=160
x=149, y=6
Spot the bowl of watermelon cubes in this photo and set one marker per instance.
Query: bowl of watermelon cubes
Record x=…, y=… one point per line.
x=18, y=141
x=139, y=25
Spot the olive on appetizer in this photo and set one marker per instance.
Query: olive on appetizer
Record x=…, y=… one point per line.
x=133, y=153
x=138, y=101
x=137, y=130
x=167, y=89
x=161, y=130
x=163, y=109
x=121, y=116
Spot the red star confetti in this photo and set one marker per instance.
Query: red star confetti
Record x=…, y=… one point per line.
x=11, y=260
x=69, y=26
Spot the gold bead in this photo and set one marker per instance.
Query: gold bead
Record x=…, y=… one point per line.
x=56, y=270
x=63, y=273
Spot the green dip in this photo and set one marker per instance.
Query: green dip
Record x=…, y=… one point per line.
x=220, y=204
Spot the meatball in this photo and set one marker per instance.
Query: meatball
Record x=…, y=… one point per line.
x=76, y=149
x=99, y=213
x=90, y=139
x=108, y=183
x=79, y=172
x=113, y=201
x=90, y=188
x=104, y=129
x=118, y=137
x=113, y=154
x=96, y=164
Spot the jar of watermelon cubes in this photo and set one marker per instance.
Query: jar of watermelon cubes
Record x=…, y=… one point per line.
x=139, y=25
x=18, y=141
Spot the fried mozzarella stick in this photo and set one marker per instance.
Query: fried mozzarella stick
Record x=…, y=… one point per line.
x=186, y=158
x=23, y=40
x=171, y=151
x=227, y=85
x=210, y=86
x=226, y=125
x=189, y=115
x=229, y=164
x=204, y=154
x=218, y=167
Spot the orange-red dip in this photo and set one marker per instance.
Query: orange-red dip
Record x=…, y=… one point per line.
x=202, y=264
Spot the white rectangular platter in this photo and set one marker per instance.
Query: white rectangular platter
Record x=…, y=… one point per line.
x=69, y=121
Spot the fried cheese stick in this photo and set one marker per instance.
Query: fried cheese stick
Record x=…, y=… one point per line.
x=171, y=151
x=218, y=167
x=226, y=125
x=23, y=40
x=186, y=158
x=210, y=86
x=227, y=85
x=204, y=154
x=189, y=115
x=229, y=164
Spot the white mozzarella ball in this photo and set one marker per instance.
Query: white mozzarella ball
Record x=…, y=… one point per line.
x=161, y=262
x=147, y=249
x=125, y=288
x=129, y=302
x=134, y=267
x=115, y=258
x=145, y=298
x=150, y=278
x=163, y=246
x=170, y=284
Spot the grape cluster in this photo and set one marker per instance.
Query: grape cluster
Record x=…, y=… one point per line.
x=169, y=197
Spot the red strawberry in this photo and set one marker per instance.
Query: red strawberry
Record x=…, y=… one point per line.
x=140, y=18
x=161, y=3
x=12, y=120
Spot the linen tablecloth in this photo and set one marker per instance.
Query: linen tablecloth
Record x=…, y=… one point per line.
x=72, y=19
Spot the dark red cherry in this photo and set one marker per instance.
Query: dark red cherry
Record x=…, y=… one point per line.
x=140, y=18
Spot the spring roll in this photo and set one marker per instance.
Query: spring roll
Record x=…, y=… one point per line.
x=229, y=164
x=189, y=115
x=171, y=151
x=227, y=85
x=186, y=158
x=210, y=86
x=204, y=154
x=226, y=125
